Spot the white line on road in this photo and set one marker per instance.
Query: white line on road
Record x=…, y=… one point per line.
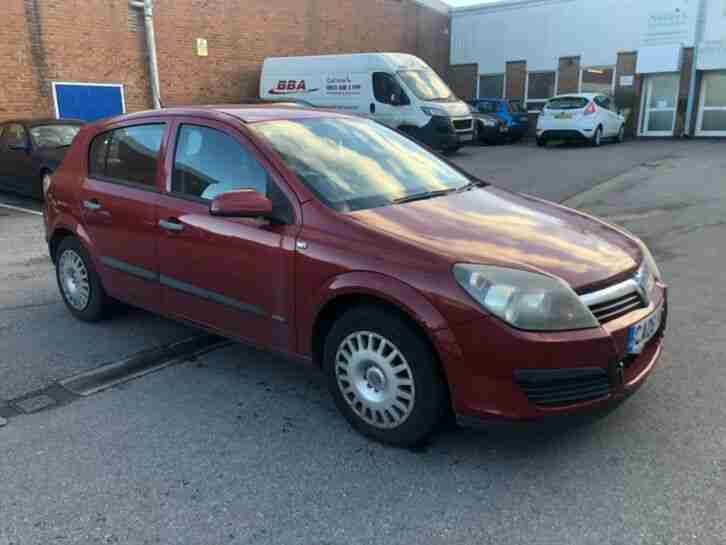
x=19, y=209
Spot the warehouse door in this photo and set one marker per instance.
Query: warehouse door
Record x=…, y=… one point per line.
x=712, y=112
x=660, y=101
x=88, y=101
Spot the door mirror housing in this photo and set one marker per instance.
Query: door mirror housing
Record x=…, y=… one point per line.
x=243, y=203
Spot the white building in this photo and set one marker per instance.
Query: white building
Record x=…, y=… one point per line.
x=642, y=51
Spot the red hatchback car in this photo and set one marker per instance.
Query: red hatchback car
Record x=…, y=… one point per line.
x=415, y=286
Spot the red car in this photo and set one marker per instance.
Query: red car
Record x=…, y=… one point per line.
x=417, y=287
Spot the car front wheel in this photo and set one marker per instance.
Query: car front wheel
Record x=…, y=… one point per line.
x=384, y=378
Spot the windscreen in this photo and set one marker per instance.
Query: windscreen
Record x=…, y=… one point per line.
x=354, y=164
x=54, y=136
x=567, y=103
x=426, y=85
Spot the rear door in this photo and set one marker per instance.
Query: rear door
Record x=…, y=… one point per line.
x=231, y=274
x=118, y=206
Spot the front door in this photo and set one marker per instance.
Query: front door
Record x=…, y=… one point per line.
x=660, y=103
x=118, y=203
x=712, y=112
x=234, y=275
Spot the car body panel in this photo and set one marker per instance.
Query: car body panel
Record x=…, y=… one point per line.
x=268, y=283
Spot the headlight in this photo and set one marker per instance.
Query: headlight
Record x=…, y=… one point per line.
x=432, y=111
x=525, y=300
x=648, y=258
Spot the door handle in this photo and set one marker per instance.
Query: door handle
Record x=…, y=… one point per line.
x=373, y=107
x=171, y=224
x=93, y=204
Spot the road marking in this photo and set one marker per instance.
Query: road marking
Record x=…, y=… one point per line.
x=19, y=209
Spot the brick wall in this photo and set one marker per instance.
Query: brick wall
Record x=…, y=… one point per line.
x=568, y=80
x=92, y=41
x=627, y=97
x=516, y=79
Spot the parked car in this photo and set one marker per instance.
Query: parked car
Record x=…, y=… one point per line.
x=487, y=128
x=510, y=112
x=587, y=117
x=397, y=89
x=30, y=150
x=418, y=288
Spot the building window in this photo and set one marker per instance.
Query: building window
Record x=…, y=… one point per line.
x=597, y=80
x=540, y=88
x=491, y=86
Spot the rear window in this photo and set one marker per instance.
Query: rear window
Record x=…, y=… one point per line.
x=567, y=103
x=127, y=155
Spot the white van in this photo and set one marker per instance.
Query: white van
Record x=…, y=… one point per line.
x=397, y=89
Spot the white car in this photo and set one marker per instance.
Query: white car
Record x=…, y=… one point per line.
x=590, y=117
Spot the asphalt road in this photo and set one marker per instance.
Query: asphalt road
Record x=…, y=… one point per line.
x=244, y=447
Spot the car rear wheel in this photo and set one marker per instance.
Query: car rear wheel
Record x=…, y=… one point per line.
x=384, y=378
x=597, y=138
x=542, y=142
x=79, y=283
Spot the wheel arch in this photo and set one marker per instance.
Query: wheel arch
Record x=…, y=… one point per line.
x=352, y=290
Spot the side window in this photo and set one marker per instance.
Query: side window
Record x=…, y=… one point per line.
x=603, y=102
x=209, y=162
x=15, y=135
x=127, y=155
x=387, y=90
x=607, y=103
x=488, y=107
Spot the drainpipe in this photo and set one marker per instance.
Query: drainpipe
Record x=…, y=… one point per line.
x=148, y=7
x=694, y=71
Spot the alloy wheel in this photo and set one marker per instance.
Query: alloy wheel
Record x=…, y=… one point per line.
x=375, y=379
x=74, y=279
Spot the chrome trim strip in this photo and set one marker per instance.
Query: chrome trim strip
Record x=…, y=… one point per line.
x=610, y=293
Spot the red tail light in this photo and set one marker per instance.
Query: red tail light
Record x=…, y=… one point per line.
x=591, y=109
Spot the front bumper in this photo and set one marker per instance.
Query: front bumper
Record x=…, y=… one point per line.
x=485, y=372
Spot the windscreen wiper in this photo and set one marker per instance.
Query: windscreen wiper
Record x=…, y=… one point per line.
x=423, y=195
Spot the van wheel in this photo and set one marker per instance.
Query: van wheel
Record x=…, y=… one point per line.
x=79, y=284
x=596, y=141
x=384, y=378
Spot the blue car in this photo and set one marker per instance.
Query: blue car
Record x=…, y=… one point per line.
x=510, y=112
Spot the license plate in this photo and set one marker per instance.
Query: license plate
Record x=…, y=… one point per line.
x=642, y=332
x=467, y=137
x=563, y=115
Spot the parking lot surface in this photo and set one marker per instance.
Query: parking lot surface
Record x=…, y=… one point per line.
x=240, y=446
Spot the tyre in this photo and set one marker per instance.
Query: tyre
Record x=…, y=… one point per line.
x=542, y=142
x=384, y=378
x=596, y=141
x=621, y=135
x=79, y=283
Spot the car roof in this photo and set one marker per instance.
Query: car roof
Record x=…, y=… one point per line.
x=29, y=122
x=581, y=95
x=247, y=113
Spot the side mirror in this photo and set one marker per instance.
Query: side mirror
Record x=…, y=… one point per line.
x=243, y=203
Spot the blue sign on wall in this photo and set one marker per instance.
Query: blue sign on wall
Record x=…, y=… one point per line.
x=88, y=102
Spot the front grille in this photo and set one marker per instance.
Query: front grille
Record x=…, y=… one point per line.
x=615, y=308
x=560, y=387
x=462, y=124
